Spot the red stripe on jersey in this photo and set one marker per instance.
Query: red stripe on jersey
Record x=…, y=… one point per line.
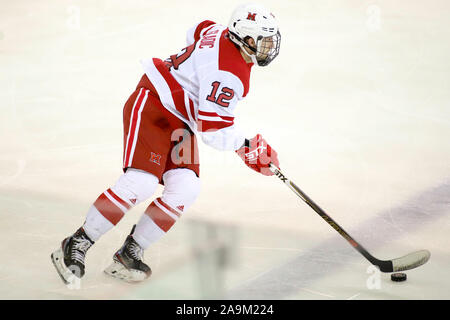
x=231, y=60
x=119, y=200
x=211, y=126
x=214, y=114
x=108, y=209
x=132, y=133
x=202, y=25
x=159, y=217
x=165, y=205
x=191, y=107
x=175, y=88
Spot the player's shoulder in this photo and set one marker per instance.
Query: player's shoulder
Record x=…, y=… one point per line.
x=200, y=28
x=231, y=66
x=231, y=60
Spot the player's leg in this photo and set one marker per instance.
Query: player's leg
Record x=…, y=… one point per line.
x=165, y=137
x=182, y=187
x=133, y=187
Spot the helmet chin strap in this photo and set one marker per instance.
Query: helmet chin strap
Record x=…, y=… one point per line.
x=251, y=56
x=243, y=45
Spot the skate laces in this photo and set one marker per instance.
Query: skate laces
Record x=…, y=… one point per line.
x=135, y=250
x=79, y=248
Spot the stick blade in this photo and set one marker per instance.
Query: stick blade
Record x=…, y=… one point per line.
x=411, y=261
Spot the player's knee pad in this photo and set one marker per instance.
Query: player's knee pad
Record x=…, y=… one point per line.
x=135, y=186
x=181, y=188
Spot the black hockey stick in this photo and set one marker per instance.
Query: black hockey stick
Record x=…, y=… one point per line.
x=410, y=261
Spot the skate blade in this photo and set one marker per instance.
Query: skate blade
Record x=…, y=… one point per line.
x=119, y=271
x=67, y=276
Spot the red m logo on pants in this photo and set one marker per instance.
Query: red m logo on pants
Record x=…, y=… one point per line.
x=251, y=16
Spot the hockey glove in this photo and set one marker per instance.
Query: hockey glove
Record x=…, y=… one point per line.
x=257, y=155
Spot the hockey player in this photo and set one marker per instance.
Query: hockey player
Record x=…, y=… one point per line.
x=192, y=93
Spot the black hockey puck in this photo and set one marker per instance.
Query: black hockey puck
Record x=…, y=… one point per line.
x=398, y=277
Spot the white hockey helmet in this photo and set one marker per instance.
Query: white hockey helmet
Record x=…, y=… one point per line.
x=255, y=21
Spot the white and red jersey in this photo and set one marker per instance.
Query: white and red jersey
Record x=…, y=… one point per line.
x=203, y=83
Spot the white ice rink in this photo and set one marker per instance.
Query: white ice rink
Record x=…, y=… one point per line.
x=357, y=106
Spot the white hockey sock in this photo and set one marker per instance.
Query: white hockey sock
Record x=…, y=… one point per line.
x=181, y=189
x=132, y=187
x=147, y=232
x=96, y=224
x=155, y=222
x=104, y=214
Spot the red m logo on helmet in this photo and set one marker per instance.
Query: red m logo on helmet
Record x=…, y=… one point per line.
x=251, y=16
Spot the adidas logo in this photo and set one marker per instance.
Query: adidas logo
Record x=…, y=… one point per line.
x=181, y=208
x=133, y=201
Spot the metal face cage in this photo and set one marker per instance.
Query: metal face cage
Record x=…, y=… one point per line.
x=267, y=48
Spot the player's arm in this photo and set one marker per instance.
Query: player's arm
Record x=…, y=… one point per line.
x=196, y=31
x=216, y=123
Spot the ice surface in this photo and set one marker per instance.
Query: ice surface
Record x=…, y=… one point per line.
x=356, y=105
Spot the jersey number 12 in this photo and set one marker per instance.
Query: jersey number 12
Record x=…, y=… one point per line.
x=224, y=97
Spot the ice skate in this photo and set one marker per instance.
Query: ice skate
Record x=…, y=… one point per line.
x=127, y=262
x=69, y=258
